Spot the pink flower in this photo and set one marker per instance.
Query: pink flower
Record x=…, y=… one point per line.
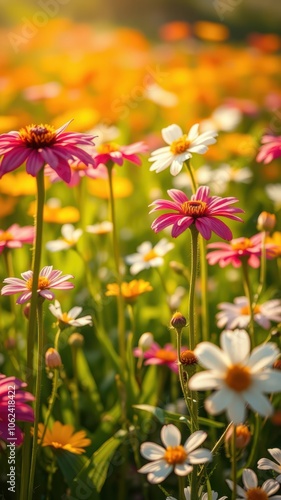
x=41, y=144
x=270, y=149
x=238, y=249
x=48, y=278
x=112, y=152
x=157, y=355
x=78, y=170
x=15, y=236
x=201, y=210
x=13, y=402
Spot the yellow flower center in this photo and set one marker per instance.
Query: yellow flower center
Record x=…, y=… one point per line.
x=78, y=166
x=256, y=494
x=238, y=377
x=38, y=136
x=166, y=355
x=245, y=310
x=107, y=148
x=175, y=455
x=65, y=318
x=194, y=208
x=241, y=245
x=6, y=236
x=150, y=255
x=180, y=146
x=43, y=283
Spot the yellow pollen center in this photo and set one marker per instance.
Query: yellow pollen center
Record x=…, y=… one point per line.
x=194, y=208
x=180, y=146
x=238, y=377
x=150, y=255
x=256, y=494
x=38, y=136
x=43, y=283
x=242, y=245
x=165, y=355
x=6, y=236
x=65, y=318
x=107, y=148
x=78, y=167
x=175, y=455
x=245, y=310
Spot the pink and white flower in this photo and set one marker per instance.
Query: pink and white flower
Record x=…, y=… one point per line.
x=48, y=278
x=180, y=147
x=15, y=236
x=237, y=315
x=148, y=256
x=238, y=249
x=78, y=170
x=239, y=377
x=70, y=237
x=201, y=209
x=157, y=355
x=22, y=411
x=267, y=464
x=270, y=148
x=69, y=318
x=252, y=490
x=174, y=457
x=43, y=144
x=114, y=153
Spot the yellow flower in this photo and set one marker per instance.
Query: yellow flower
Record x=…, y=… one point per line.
x=130, y=291
x=122, y=187
x=6, y=206
x=19, y=184
x=275, y=239
x=63, y=437
x=57, y=214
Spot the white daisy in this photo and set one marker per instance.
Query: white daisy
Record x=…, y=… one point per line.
x=266, y=464
x=70, y=236
x=100, y=228
x=174, y=457
x=237, y=315
x=239, y=377
x=187, y=495
x=251, y=489
x=69, y=318
x=148, y=256
x=181, y=146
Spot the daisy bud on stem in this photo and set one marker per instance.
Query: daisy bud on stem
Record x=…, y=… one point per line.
x=52, y=359
x=266, y=221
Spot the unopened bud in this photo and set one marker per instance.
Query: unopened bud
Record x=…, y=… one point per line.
x=243, y=436
x=76, y=340
x=26, y=310
x=145, y=341
x=188, y=357
x=178, y=321
x=52, y=358
x=266, y=221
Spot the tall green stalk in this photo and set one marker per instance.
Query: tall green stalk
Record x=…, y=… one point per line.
x=249, y=295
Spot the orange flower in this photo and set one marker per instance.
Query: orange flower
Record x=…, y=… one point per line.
x=122, y=188
x=211, y=31
x=130, y=291
x=63, y=437
x=57, y=214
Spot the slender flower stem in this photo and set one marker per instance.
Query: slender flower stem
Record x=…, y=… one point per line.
x=193, y=273
x=204, y=290
x=120, y=301
x=192, y=176
x=181, y=483
x=51, y=402
x=234, y=464
x=248, y=292
x=37, y=396
x=74, y=386
x=262, y=268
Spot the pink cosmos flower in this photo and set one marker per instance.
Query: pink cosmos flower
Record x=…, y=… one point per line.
x=201, y=210
x=270, y=149
x=157, y=355
x=41, y=144
x=48, y=278
x=238, y=249
x=15, y=406
x=112, y=152
x=78, y=170
x=15, y=236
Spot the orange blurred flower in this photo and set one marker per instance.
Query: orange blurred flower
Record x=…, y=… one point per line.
x=122, y=187
x=129, y=291
x=214, y=32
x=173, y=31
x=53, y=212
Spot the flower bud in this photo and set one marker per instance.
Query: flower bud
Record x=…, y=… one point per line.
x=26, y=310
x=52, y=358
x=76, y=340
x=243, y=436
x=188, y=357
x=145, y=341
x=178, y=321
x=266, y=221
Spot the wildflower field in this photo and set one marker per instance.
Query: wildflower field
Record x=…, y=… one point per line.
x=140, y=242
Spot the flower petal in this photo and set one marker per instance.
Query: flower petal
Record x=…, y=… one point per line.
x=152, y=451
x=170, y=435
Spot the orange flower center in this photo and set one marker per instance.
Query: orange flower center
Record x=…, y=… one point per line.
x=238, y=377
x=38, y=136
x=150, y=255
x=43, y=283
x=175, y=455
x=65, y=318
x=107, y=148
x=194, y=208
x=6, y=236
x=241, y=245
x=256, y=494
x=245, y=310
x=180, y=146
x=166, y=355
x=78, y=166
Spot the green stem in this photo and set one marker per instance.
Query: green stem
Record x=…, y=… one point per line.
x=248, y=292
x=204, y=290
x=181, y=483
x=262, y=268
x=192, y=176
x=193, y=273
x=37, y=396
x=194, y=484
x=51, y=403
x=36, y=259
x=234, y=464
x=74, y=386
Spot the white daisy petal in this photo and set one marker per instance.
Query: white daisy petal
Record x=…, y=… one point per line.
x=183, y=469
x=176, y=167
x=170, y=435
x=236, y=344
x=200, y=456
x=195, y=440
x=270, y=487
x=276, y=454
x=268, y=380
x=263, y=356
x=193, y=133
x=204, y=381
x=266, y=464
x=239, y=490
x=152, y=451
x=258, y=402
x=211, y=357
x=157, y=476
x=171, y=133
x=236, y=410
x=74, y=312
x=218, y=401
x=250, y=479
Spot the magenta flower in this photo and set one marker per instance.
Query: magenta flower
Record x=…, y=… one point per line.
x=201, y=210
x=48, y=278
x=238, y=249
x=157, y=355
x=112, y=152
x=15, y=236
x=41, y=144
x=270, y=149
x=78, y=170
x=13, y=403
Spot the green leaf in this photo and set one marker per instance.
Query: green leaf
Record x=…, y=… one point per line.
x=164, y=416
x=70, y=464
x=88, y=383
